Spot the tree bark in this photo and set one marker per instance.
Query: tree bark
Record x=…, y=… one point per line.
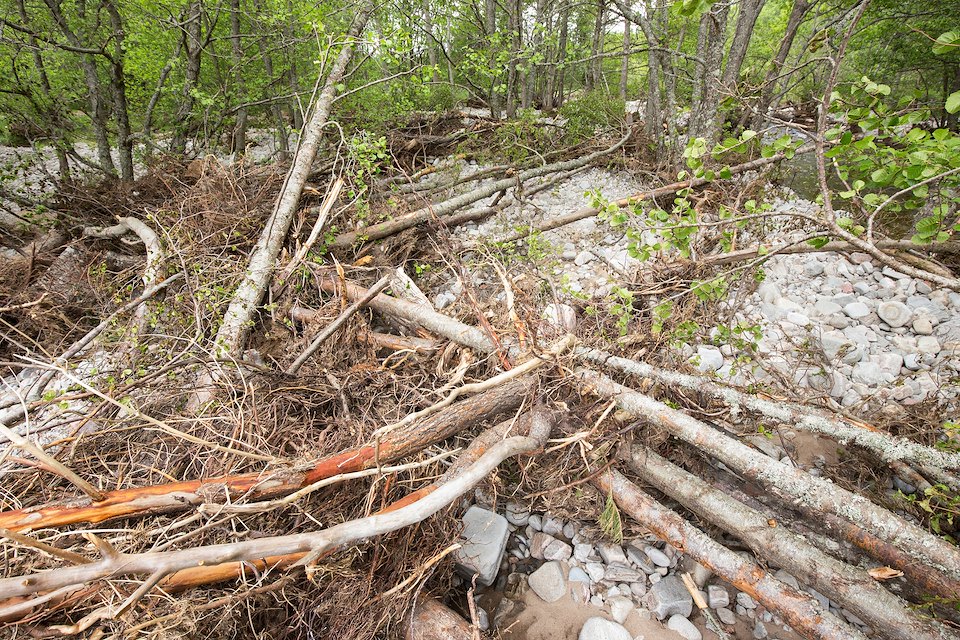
x=239, y=139
x=179, y=496
x=625, y=60
x=490, y=29
x=118, y=86
x=594, y=75
x=711, y=39
x=850, y=588
x=747, y=13
x=772, y=79
x=786, y=481
x=239, y=316
x=799, y=609
x=193, y=49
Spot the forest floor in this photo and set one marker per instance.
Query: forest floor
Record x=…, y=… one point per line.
x=836, y=331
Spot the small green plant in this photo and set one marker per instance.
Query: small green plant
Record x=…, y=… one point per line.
x=622, y=308
x=610, y=522
x=941, y=505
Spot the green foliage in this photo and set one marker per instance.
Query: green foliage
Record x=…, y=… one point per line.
x=591, y=112
x=610, y=521
x=941, y=504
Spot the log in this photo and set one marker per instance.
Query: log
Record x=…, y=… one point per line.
x=887, y=447
x=670, y=189
x=180, y=496
x=852, y=588
x=116, y=565
x=786, y=481
x=391, y=227
x=799, y=609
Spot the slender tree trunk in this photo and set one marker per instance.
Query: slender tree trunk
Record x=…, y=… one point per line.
x=193, y=48
x=118, y=86
x=239, y=316
x=490, y=28
x=747, y=13
x=772, y=79
x=293, y=77
x=98, y=107
x=712, y=34
x=239, y=142
x=625, y=61
x=560, y=69
x=595, y=66
x=514, y=27
x=50, y=104
x=431, y=44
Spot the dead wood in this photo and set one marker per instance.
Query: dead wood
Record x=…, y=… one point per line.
x=391, y=227
x=852, y=588
x=179, y=496
x=790, y=483
x=887, y=447
x=154, y=564
x=799, y=609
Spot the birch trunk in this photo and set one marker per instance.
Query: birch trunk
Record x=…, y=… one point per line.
x=239, y=316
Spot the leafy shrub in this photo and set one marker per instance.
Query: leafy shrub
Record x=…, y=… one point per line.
x=590, y=112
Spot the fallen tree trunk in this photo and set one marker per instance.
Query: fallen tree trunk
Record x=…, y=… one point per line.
x=787, y=481
x=589, y=212
x=391, y=227
x=800, y=610
x=431, y=620
x=836, y=246
x=263, y=258
x=853, y=589
x=180, y=496
x=887, y=447
x=159, y=564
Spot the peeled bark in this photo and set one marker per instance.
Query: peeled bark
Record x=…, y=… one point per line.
x=799, y=609
x=853, y=589
x=180, y=496
x=239, y=316
x=887, y=447
x=786, y=481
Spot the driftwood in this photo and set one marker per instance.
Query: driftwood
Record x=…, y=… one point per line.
x=853, y=589
x=156, y=565
x=180, y=496
x=800, y=610
x=787, y=481
x=885, y=446
x=391, y=227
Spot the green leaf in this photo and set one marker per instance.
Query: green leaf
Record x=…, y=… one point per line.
x=948, y=42
x=953, y=102
x=818, y=242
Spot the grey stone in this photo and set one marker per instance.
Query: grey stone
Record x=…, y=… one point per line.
x=553, y=526
x=768, y=292
x=602, y=629
x=595, y=570
x=896, y=314
x=913, y=361
x=620, y=608
x=819, y=597
x=668, y=597
x=579, y=591
x=745, y=601
x=582, y=551
x=611, y=552
x=561, y=316
x=892, y=273
x=889, y=362
x=759, y=631
x=557, y=550
x=569, y=530
x=787, y=578
x=701, y=574
x=548, y=582
x=710, y=358
x=539, y=543
x=726, y=617
x=584, y=257
x=620, y=572
x=868, y=373
x=922, y=326
x=717, y=597
x=856, y=310
x=641, y=559
x=483, y=620
x=826, y=307
x=578, y=575
x=813, y=269
x=484, y=540
x=536, y=522
x=684, y=627
x=516, y=514
x=656, y=556
x=929, y=345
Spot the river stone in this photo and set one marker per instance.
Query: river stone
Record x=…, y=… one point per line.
x=582, y=551
x=603, y=629
x=611, y=552
x=595, y=570
x=578, y=575
x=745, y=601
x=561, y=316
x=557, y=550
x=684, y=627
x=929, y=345
x=548, y=582
x=484, y=540
x=826, y=307
x=539, y=543
x=517, y=514
x=726, y=616
x=668, y=597
x=923, y=326
x=710, y=358
x=856, y=310
x=658, y=557
x=759, y=631
x=717, y=596
x=619, y=572
x=896, y=314
x=641, y=559
x=768, y=292
x=620, y=608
